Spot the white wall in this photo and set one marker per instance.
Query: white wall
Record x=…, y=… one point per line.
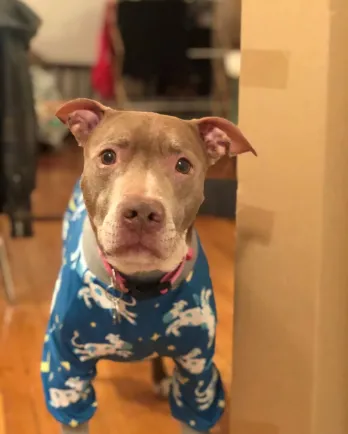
x=70, y=29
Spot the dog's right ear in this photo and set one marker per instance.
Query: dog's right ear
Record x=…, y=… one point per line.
x=81, y=116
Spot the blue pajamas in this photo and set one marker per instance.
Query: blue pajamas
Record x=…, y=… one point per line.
x=180, y=325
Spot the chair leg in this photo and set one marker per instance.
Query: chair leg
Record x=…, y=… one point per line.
x=5, y=270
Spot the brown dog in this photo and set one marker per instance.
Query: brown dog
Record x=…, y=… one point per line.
x=142, y=186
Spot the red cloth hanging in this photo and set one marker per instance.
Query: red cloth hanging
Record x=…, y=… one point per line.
x=103, y=80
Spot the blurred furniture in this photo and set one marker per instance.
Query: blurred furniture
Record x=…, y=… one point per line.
x=74, y=81
x=5, y=271
x=155, y=37
x=18, y=127
x=232, y=63
x=157, y=70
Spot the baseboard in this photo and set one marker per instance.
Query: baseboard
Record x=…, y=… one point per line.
x=220, y=198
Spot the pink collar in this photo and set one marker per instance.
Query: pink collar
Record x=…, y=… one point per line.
x=121, y=283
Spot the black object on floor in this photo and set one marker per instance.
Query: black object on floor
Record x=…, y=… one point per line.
x=18, y=125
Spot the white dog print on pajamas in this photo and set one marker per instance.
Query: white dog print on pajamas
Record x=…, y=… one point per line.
x=93, y=291
x=77, y=206
x=75, y=256
x=61, y=398
x=116, y=347
x=205, y=397
x=191, y=362
x=199, y=316
x=65, y=229
x=56, y=290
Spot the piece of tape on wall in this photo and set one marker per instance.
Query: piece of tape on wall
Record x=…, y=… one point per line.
x=254, y=227
x=255, y=223
x=265, y=69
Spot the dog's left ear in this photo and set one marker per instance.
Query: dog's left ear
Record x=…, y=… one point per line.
x=82, y=116
x=221, y=137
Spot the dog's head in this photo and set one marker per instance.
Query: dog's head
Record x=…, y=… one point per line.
x=143, y=178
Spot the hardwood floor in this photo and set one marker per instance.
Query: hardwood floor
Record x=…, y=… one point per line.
x=126, y=402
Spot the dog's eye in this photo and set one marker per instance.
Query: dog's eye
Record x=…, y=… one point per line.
x=183, y=166
x=108, y=157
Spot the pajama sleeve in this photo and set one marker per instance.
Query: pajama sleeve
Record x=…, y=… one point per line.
x=197, y=397
x=197, y=394
x=66, y=380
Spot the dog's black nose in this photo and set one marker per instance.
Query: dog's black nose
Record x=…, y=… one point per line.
x=142, y=213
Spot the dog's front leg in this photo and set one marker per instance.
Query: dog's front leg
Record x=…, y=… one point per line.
x=160, y=377
x=81, y=429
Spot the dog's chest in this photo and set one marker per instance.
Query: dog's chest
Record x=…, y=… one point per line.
x=164, y=325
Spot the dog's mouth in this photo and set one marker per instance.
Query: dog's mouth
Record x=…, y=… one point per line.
x=131, y=253
x=129, y=247
x=138, y=248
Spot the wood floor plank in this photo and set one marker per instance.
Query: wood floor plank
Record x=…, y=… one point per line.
x=2, y=415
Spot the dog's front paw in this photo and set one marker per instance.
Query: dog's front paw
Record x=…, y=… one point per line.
x=81, y=429
x=162, y=388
